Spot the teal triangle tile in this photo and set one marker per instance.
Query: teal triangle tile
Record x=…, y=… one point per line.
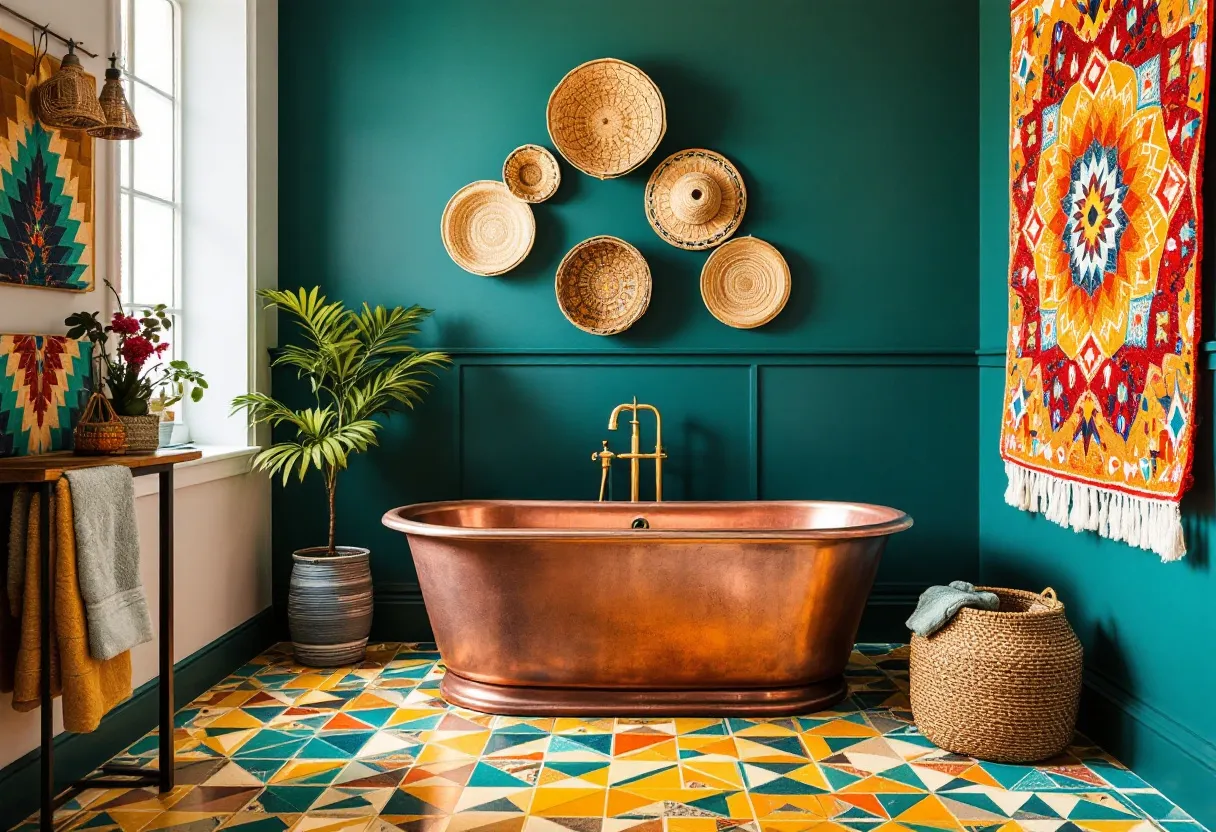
x=270, y=823
x=348, y=741
x=858, y=813
x=519, y=728
x=288, y=799
x=642, y=776
x=263, y=770
x=716, y=803
x=404, y=803
x=575, y=768
x=980, y=801
x=269, y=738
x=1117, y=776
x=324, y=749
x=790, y=745
x=956, y=783
x=1181, y=826
x=373, y=716
x=1007, y=775
x=905, y=774
x=422, y=723
x=182, y=718
x=486, y=775
x=786, y=785
x=836, y=778
x=1035, y=809
x=499, y=805
x=1091, y=810
x=837, y=744
x=599, y=743
x=501, y=742
x=713, y=729
x=897, y=804
x=1157, y=807
x=144, y=746
x=265, y=713
x=100, y=819
x=354, y=801
x=1034, y=781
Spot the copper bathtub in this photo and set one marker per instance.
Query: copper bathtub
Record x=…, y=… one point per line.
x=568, y=608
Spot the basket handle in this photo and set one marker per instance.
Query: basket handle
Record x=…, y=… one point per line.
x=1049, y=595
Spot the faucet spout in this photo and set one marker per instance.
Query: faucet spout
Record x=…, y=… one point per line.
x=616, y=413
x=635, y=455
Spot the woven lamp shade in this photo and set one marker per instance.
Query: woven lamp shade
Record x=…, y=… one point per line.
x=531, y=173
x=120, y=121
x=68, y=99
x=606, y=117
x=603, y=285
x=745, y=283
x=486, y=230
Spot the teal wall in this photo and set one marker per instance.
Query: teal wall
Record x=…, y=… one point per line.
x=856, y=133
x=1146, y=626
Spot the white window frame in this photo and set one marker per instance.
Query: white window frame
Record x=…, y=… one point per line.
x=128, y=194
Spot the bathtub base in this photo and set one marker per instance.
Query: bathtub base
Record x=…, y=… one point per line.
x=514, y=700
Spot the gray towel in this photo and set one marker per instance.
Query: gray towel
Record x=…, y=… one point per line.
x=938, y=604
x=18, y=524
x=107, y=559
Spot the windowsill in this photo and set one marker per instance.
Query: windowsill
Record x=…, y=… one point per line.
x=217, y=462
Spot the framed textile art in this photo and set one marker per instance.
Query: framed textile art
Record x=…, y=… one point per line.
x=44, y=384
x=1108, y=113
x=46, y=185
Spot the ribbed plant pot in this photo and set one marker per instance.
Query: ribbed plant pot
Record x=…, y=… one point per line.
x=143, y=432
x=329, y=605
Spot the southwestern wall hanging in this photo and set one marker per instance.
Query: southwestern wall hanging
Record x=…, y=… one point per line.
x=44, y=384
x=1107, y=123
x=46, y=185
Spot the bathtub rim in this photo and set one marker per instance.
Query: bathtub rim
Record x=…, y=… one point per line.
x=398, y=520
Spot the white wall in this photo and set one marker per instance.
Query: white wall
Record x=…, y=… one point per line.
x=222, y=558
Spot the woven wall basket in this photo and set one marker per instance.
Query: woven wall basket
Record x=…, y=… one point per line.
x=531, y=173
x=603, y=285
x=486, y=230
x=1000, y=685
x=606, y=117
x=695, y=199
x=745, y=283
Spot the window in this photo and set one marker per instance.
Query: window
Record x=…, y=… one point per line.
x=149, y=167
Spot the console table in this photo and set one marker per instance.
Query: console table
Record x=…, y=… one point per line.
x=43, y=472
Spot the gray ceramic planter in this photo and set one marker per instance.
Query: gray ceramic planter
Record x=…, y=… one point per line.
x=329, y=605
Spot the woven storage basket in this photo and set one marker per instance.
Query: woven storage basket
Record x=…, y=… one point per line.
x=606, y=117
x=745, y=283
x=603, y=285
x=531, y=173
x=99, y=431
x=1000, y=685
x=143, y=432
x=486, y=230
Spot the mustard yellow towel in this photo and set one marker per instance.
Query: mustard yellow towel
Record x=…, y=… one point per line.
x=90, y=688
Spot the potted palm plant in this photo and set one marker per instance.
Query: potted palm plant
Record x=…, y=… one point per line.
x=360, y=368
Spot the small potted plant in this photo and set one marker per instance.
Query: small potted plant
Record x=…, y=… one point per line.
x=360, y=368
x=131, y=350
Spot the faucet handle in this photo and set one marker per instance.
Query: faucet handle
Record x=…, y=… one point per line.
x=603, y=454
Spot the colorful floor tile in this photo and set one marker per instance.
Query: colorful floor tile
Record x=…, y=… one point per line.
x=277, y=747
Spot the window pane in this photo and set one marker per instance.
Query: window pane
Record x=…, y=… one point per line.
x=154, y=43
x=152, y=258
x=124, y=158
x=154, y=150
x=124, y=244
x=124, y=29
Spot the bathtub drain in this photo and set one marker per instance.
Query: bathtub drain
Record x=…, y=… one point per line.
x=640, y=523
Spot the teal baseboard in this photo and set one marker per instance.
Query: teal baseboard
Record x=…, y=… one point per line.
x=78, y=754
x=400, y=614
x=1161, y=750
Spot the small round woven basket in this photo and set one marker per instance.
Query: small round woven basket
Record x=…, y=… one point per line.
x=603, y=285
x=606, y=117
x=695, y=199
x=745, y=283
x=99, y=431
x=531, y=173
x=999, y=685
x=486, y=230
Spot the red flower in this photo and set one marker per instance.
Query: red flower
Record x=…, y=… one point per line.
x=136, y=350
x=124, y=324
x=160, y=348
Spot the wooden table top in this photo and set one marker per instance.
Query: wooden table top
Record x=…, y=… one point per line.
x=50, y=467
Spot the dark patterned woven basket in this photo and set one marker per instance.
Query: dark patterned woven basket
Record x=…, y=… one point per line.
x=1000, y=685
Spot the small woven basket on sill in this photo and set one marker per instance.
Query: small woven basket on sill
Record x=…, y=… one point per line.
x=999, y=685
x=143, y=432
x=99, y=431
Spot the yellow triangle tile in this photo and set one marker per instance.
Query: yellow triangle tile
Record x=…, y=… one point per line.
x=403, y=715
x=435, y=753
x=304, y=768
x=569, y=725
x=441, y=797
x=236, y=718
x=305, y=681
x=816, y=747
x=555, y=802
x=686, y=725
x=754, y=751
x=811, y=775
x=692, y=824
x=977, y=774
x=765, y=729
x=929, y=812
x=598, y=777
x=551, y=775
x=230, y=742
x=471, y=744
x=236, y=699
x=1108, y=825
x=366, y=701
x=739, y=805
x=713, y=775
x=621, y=802
x=842, y=728
x=665, y=779
x=880, y=785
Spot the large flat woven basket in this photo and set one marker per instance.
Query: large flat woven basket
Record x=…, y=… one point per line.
x=999, y=685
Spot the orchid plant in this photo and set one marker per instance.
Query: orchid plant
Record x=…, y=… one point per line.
x=131, y=349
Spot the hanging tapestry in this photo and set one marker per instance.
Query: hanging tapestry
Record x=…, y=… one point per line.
x=1108, y=99
x=46, y=185
x=44, y=384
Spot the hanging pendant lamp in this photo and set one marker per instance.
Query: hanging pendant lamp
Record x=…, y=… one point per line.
x=68, y=99
x=120, y=121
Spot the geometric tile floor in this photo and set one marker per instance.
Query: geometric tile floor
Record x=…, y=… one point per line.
x=277, y=746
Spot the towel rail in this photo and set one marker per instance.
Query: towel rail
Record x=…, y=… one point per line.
x=44, y=471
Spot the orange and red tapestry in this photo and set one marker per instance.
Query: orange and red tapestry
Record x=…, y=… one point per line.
x=1108, y=102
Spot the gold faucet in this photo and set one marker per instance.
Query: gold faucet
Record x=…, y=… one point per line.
x=635, y=456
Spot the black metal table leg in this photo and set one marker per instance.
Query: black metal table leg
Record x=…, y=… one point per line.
x=46, y=621
x=167, y=761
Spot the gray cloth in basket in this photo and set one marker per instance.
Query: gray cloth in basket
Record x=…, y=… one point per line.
x=107, y=559
x=938, y=604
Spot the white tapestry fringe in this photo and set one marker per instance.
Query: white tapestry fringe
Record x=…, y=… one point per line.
x=1139, y=521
